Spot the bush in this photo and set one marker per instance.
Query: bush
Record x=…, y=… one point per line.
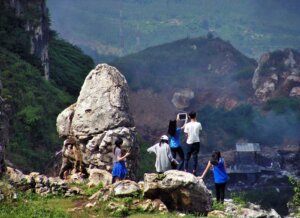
x=294, y=205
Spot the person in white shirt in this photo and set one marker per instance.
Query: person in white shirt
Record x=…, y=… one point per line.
x=163, y=154
x=192, y=130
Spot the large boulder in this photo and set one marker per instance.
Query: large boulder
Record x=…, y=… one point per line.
x=98, y=176
x=102, y=103
x=100, y=116
x=179, y=191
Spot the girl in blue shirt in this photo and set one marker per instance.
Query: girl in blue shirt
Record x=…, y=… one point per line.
x=220, y=175
x=175, y=142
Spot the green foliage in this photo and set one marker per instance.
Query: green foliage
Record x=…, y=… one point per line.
x=282, y=105
x=89, y=191
x=240, y=199
x=30, y=205
x=35, y=105
x=146, y=161
x=230, y=125
x=68, y=65
x=218, y=206
x=33, y=102
x=295, y=204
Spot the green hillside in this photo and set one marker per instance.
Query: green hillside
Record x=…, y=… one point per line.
x=32, y=103
x=113, y=27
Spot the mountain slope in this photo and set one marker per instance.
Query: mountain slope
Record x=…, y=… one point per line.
x=112, y=27
x=220, y=78
x=212, y=70
x=30, y=102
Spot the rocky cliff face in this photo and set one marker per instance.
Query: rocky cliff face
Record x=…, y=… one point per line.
x=100, y=116
x=3, y=131
x=277, y=74
x=35, y=13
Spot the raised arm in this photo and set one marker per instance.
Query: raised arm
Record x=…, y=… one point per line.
x=152, y=149
x=206, y=170
x=119, y=158
x=185, y=121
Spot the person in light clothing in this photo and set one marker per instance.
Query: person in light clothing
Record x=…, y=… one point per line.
x=163, y=154
x=192, y=131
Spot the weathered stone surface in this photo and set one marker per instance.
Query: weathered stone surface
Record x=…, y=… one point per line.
x=181, y=99
x=15, y=175
x=118, y=189
x=64, y=121
x=102, y=103
x=149, y=205
x=126, y=188
x=277, y=74
x=295, y=92
x=252, y=210
x=97, y=176
x=41, y=184
x=179, y=191
x=100, y=116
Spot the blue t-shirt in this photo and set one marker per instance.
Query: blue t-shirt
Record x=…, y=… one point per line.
x=175, y=140
x=220, y=175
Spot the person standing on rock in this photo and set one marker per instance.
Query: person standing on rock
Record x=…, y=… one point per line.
x=192, y=131
x=175, y=143
x=119, y=170
x=220, y=175
x=163, y=154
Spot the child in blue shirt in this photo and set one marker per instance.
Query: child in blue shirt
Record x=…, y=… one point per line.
x=220, y=175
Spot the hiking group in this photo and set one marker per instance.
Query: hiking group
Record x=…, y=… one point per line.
x=169, y=151
x=167, y=148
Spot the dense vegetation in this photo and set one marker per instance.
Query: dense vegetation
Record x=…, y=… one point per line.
x=278, y=121
x=114, y=27
x=33, y=102
x=68, y=65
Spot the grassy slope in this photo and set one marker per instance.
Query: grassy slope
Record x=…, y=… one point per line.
x=33, y=102
x=252, y=26
x=34, y=105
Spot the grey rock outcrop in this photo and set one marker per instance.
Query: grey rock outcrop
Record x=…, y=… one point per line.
x=179, y=191
x=181, y=99
x=251, y=210
x=40, y=184
x=277, y=74
x=38, y=27
x=100, y=116
x=98, y=176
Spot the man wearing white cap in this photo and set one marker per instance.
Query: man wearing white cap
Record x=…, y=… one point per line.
x=163, y=155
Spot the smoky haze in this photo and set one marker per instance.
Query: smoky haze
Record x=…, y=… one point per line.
x=108, y=28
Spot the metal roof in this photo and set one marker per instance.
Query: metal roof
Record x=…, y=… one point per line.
x=247, y=147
